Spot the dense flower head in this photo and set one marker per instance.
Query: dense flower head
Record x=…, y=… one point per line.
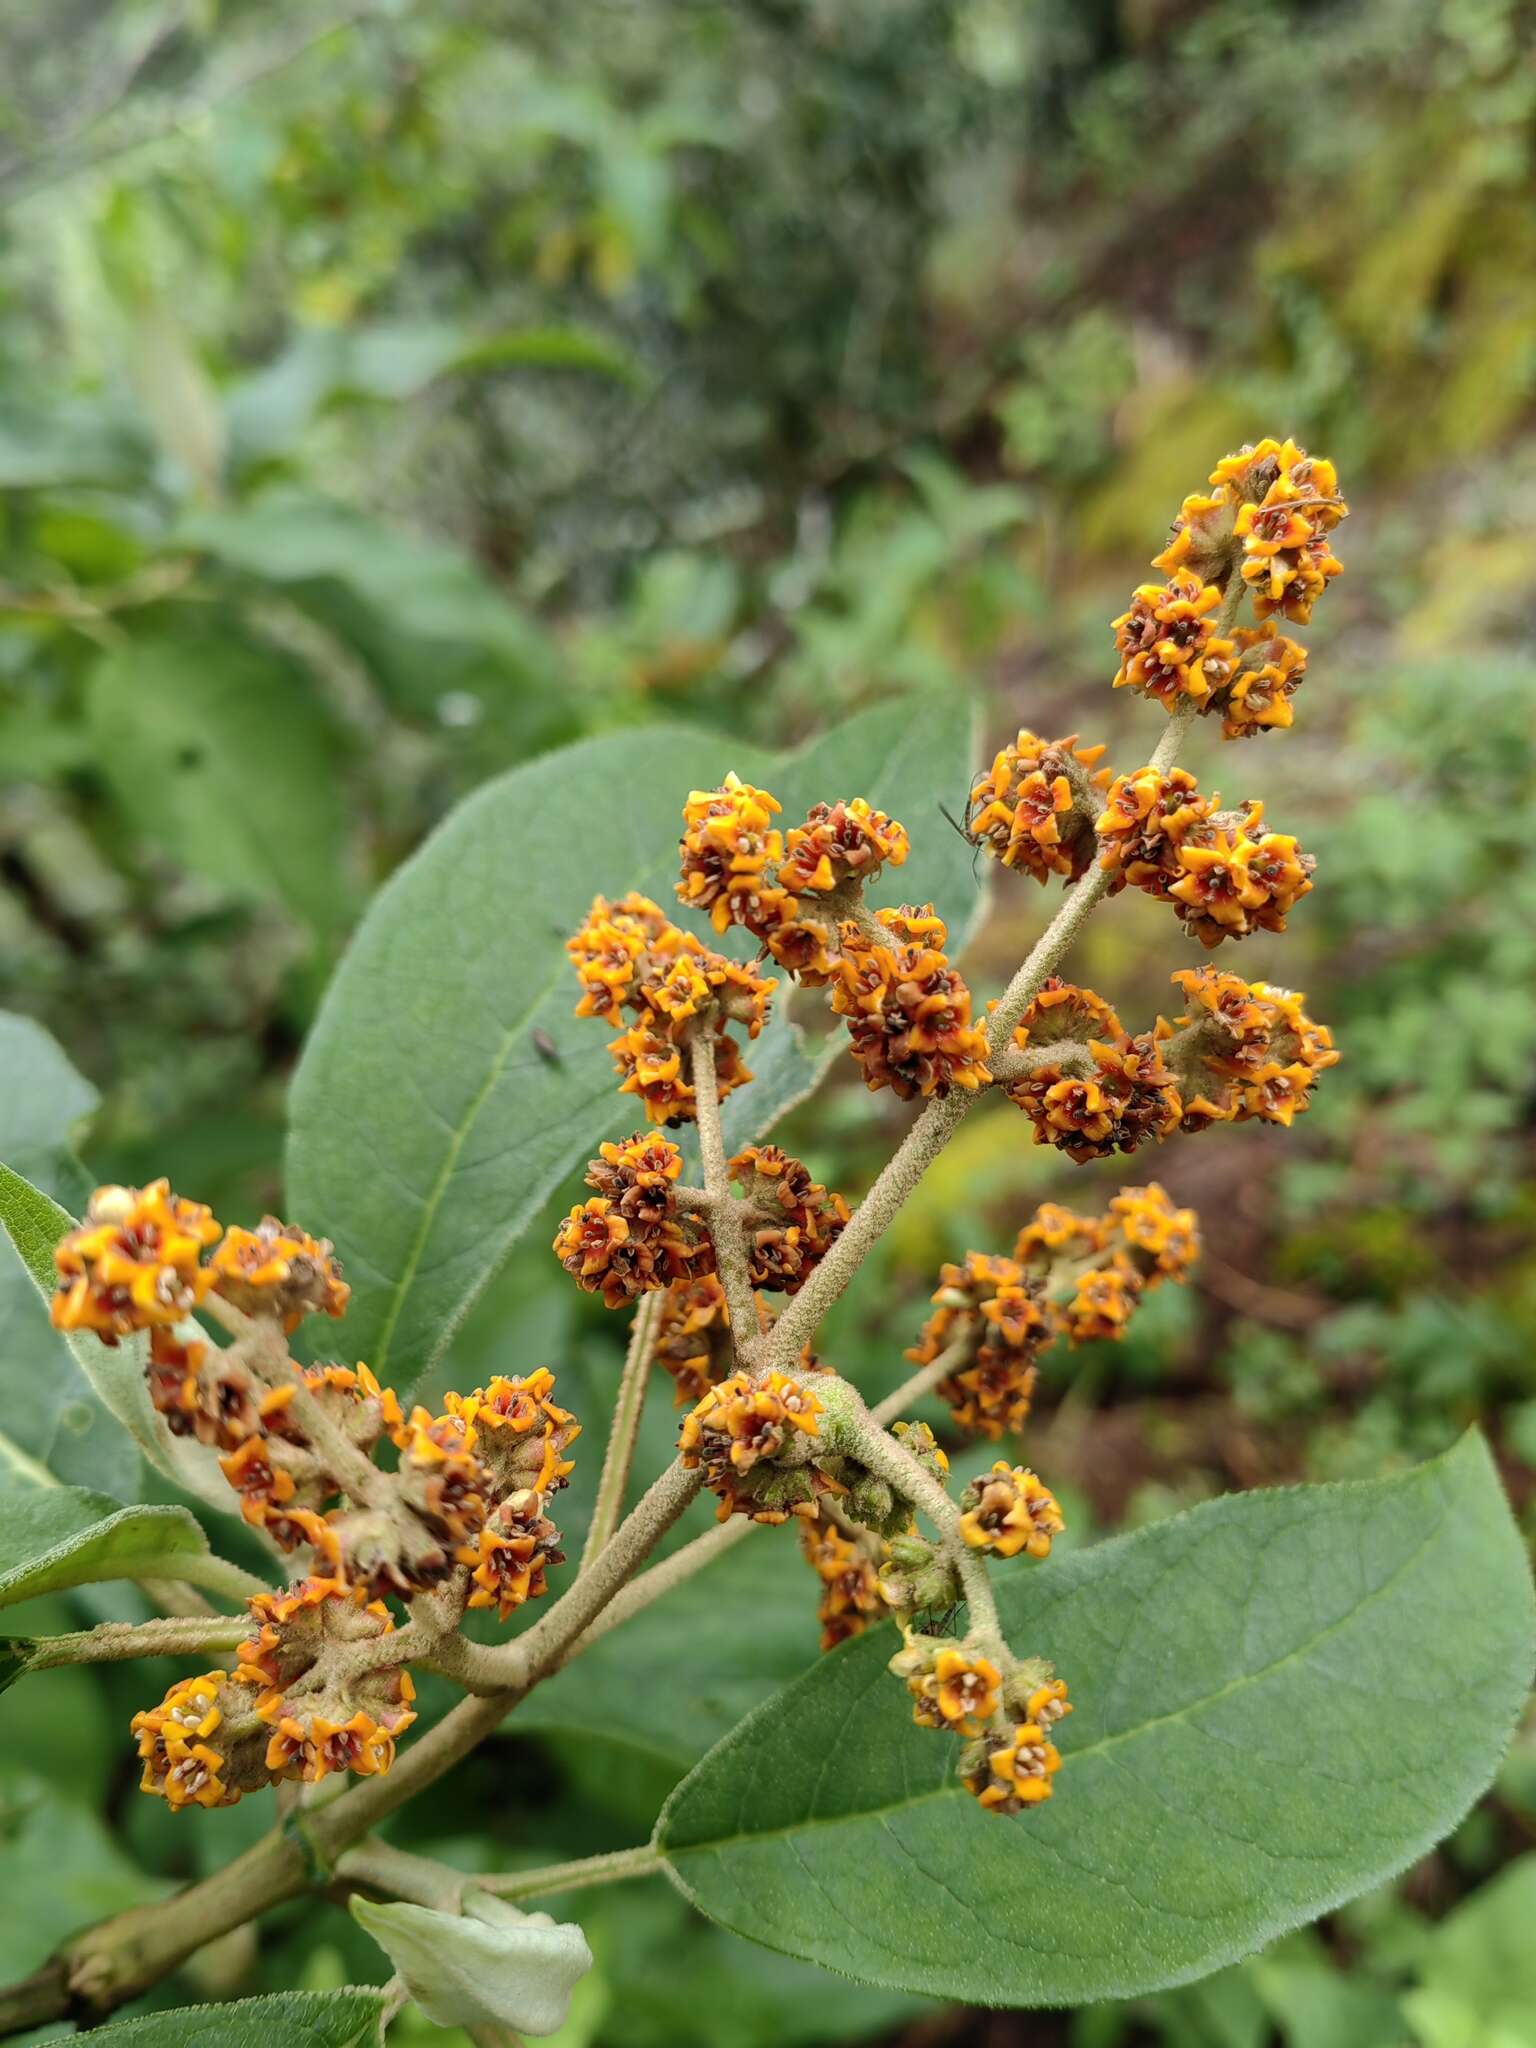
x=952, y=1687
x=511, y=1554
x=990, y=1311
x=204, y=1393
x=728, y=844
x=693, y=1337
x=1223, y=873
x=638, y=969
x=799, y=1220
x=622, y=1256
x=1267, y=670
x=1008, y=1510
x=1033, y=808
x=1101, y=1303
x=909, y=1017
x=1167, y=641
x=1163, y=1240
x=441, y=1480
x=1107, y=1096
x=1012, y=1771
x=1055, y=1233
x=848, y=841
x=277, y=1269
x=310, y=1746
x=184, y=1744
x=740, y=1426
x=1243, y=1050
x=848, y=1568
x=790, y=890
x=518, y=1431
x=134, y=1263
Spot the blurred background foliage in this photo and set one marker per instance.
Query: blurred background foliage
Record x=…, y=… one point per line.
x=389, y=392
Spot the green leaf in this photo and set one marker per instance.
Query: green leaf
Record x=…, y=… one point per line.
x=34, y=1224
x=491, y=1965
x=218, y=752
x=57, y=1536
x=1478, y=1975
x=292, y=2019
x=1282, y=1698
x=62, y=1860
x=756, y=1609
x=448, y=1089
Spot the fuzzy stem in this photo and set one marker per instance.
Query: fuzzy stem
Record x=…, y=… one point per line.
x=579, y=1875
x=381, y=1867
x=725, y=1214
x=628, y=1408
x=113, y=1641
x=352, y=1469
x=887, y=1458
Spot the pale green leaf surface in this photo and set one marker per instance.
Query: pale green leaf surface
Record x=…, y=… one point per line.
x=53, y=1425
x=57, y=1536
x=429, y=1117
x=219, y=753
x=1260, y=1733
x=64, y=1862
x=490, y=1965
x=292, y=2019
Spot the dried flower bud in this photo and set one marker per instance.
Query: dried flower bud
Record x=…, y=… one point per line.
x=848, y=841
x=1243, y=1050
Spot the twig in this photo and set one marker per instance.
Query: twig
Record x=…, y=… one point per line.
x=725, y=1217
x=579, y=1875
x=628, y=1408
x=921, y=1384
x=112, y=1641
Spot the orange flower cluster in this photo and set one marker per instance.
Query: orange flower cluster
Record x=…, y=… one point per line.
x=634, y=964
x=693, y=1337
x=801, y=1219
x=789, y=890
x=848, y=1568
x=1243, y=1050
x=303, y=1701
x=1011, y=1771
x=1222, y=872
x=1033, y=809
x=1092, y=1089
x=465, y=1502
x=1008, y=1511
x=753, y=1443
x=1266, y=522
x=136, y=1263
x=908, y=1011
x=1168, y=645
x=631, y=1238
x=993, y=1313
x=952, y=1688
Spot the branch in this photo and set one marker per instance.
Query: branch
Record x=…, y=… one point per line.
x=628, y=1408
x=921, y=1384
x=580, y=1875
x=113, y=1641
x=726, y=1221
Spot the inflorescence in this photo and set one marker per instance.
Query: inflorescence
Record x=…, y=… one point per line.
x=459, y=1519
x=321, y=1683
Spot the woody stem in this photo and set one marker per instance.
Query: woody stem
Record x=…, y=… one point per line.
x=112, y=1641
x=921, y=1384
x=941, y=1119
x=726, y=1221
x=628, y=1407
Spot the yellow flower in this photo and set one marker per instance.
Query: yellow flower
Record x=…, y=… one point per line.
x=1008, y=1511
x=134, y=1263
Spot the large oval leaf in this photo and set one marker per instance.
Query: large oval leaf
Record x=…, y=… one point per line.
x=293, y=2019
x=447, y=1088
x=57, y=1536
x=1282, y=1698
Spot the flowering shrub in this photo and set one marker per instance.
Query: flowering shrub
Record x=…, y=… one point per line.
x=1210, y=1650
